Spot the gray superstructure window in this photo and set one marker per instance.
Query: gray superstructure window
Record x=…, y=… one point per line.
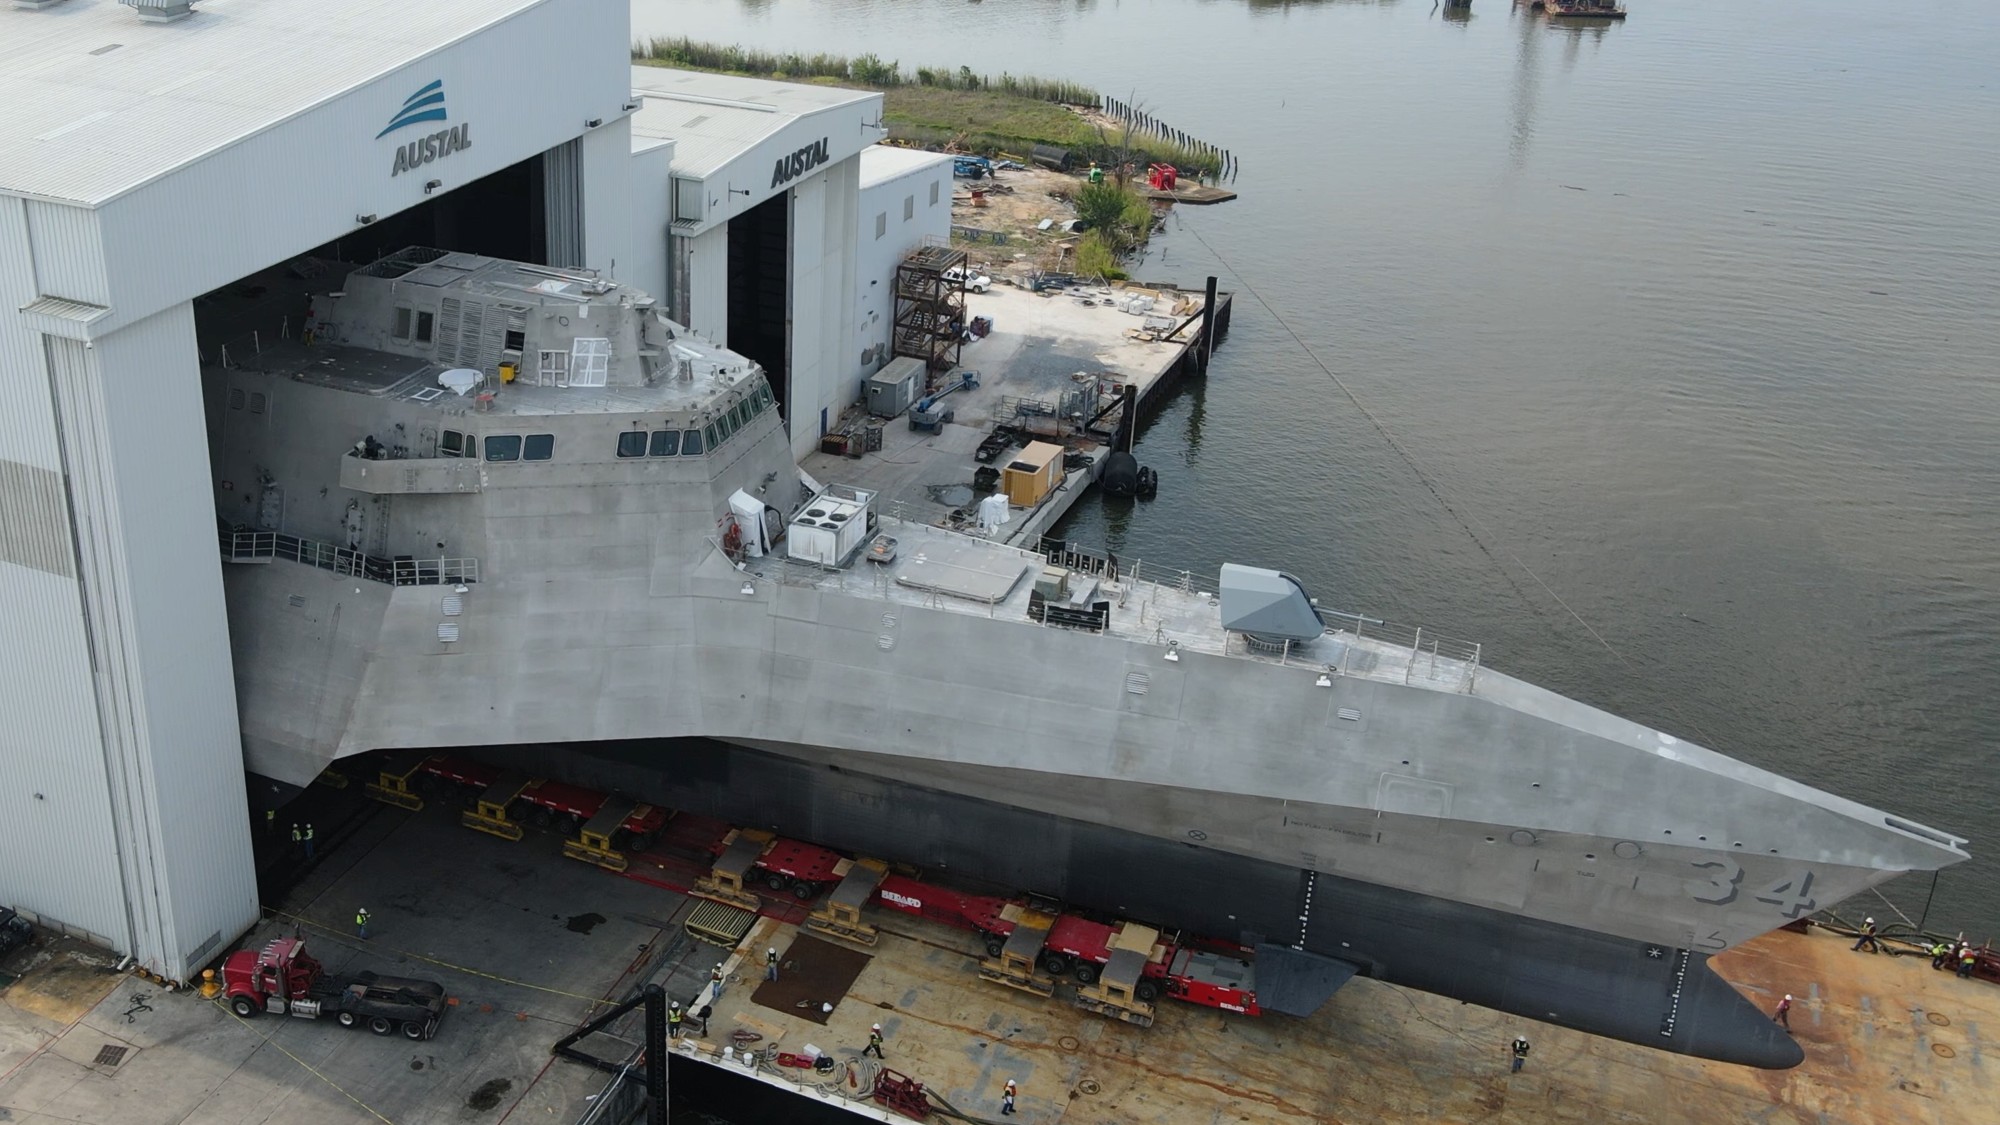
x=424, y=323
x=538, y=447
x=909, y=207
x=934, y=193
x=451, y=443
x=666, y=443
x=632, y=443
x=691, y=443
x=881, y=223
x=515, y=340
x=403, y=314
x=708, y=435
x=503, y=447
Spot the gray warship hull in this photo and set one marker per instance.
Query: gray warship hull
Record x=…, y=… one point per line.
x=615, y=547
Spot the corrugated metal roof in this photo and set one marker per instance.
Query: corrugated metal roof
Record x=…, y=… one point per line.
x=713, y=118
x=882, y=163
x=99, y=102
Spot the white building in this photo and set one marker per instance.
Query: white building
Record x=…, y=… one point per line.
x=762, y=253
x=905, y=201
x=145, y=163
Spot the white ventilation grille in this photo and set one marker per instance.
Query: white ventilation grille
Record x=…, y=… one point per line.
x=453, y=605
x=1349, y=713
x=448, y=632
x=885, y=642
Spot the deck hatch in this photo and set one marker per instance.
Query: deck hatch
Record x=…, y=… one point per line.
x=1137, y=682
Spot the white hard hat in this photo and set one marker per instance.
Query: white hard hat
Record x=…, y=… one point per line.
x=1788, y=996
x=1868, y=921
x=877, y=1027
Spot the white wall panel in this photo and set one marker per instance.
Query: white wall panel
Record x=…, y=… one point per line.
x=55, y=814
x=652, y=213
x=178, y=638
x=708, y=283
x=27, y=433
x=809, y=361
x=875, y=259
x=291, y=188
x=606, y=155
x=68, y=258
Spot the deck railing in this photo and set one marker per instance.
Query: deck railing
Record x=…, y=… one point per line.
x=402, y=570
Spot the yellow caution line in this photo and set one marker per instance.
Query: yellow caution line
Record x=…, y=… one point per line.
x=309, y=1068
x=441, y=963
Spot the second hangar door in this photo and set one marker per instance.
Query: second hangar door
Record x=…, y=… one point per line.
x=760, y=290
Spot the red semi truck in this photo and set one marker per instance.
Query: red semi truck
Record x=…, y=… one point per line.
x=283, y=979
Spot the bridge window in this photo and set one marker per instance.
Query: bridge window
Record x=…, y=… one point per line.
x=691, y=443
x=632, y=443
x=708, y=434
x=451, y=443
x=538, y=447
x=503, y=447
x=424, y=322
x=666, y=443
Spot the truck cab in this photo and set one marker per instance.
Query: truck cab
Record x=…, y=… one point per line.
x=283, y=979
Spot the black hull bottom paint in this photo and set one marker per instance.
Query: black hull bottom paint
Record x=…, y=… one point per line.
x=1650, y=995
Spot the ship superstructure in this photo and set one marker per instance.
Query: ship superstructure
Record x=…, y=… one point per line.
x=503, y=506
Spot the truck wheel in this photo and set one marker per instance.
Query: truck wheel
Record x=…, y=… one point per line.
x=540, y=816
x=346, y=1019
x=413, y=1029
x=776, y=881
x=1055, y=964
x=381, y=1025
x=1146, y=992
x=1086, y=972
x=244, y=1006
x=804, y=891
x=995, y=945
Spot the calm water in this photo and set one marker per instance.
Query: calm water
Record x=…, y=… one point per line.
x=1689, y=321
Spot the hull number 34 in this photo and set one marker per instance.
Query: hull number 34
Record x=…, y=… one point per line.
x=1722, y=879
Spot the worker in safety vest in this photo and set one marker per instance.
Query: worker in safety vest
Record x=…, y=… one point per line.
x=361, y=923
x=771, y=963
x=1520, y=1049
x=1967, y=958
x=270, y=821
x=674, y=1017
x=715, y=979
x=295, y=834
x=1783, y=1016
x=1867, y=937
x=1007, y=1098
x=1940, y=954
x=874, y=1041
x=308, y=840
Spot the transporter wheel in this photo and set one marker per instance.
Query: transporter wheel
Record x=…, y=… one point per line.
x=1055, y=964
x=572, y=824
x=346, y=1019
x=427, y=783
x=995, y=944
x=413, y=1029
x=381, y=1025
x=540, y=816
x=804, y=891
x=643, y=841
x=244, y=1006
x=1086, y=972
x=1146, y=991
x=776, y=881
x=621, y=840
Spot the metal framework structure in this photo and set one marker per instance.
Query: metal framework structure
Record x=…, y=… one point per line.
x=930, y=307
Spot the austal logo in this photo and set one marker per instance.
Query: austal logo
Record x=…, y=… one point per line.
x=799, y=163
x=426, y=104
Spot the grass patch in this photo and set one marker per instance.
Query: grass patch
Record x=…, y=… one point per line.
x=941, y=106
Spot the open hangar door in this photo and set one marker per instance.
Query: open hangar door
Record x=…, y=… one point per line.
x=760, y=291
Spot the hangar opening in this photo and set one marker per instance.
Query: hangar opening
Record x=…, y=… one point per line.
x=760, y=274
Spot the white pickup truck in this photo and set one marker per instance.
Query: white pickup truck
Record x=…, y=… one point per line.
x=973, y=281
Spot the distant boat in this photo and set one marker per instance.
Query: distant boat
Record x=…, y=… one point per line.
x=1582, y=9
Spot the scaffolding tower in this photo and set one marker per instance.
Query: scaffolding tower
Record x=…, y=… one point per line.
x=930, y=306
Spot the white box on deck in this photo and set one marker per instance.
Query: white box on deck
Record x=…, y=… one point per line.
x=831, y=527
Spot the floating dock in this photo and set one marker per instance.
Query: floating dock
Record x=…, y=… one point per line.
x=1047, y=353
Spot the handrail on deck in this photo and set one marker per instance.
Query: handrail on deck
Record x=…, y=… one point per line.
x=403, y=570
